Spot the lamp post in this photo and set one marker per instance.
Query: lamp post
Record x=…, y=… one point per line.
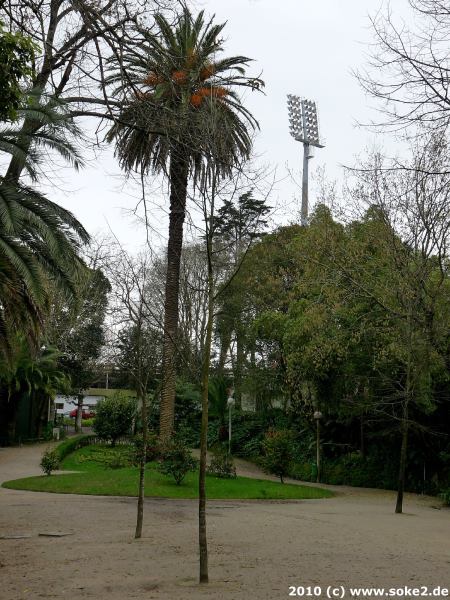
x=230, y=403
x=304, y=127
x=317, y=416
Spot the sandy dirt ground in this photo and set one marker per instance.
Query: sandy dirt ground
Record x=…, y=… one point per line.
x=257, y=549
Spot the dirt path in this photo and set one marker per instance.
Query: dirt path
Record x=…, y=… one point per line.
x=257, y=549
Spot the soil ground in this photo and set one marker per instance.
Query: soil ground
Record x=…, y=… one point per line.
x=257, y=549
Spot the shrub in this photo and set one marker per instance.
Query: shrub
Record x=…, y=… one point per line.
x=304, y=471
x=278, y=452
x=72, y=444
x=176, y=460
x=222, y=464
x=62, y=433
x=445, y=495
x=251, y=449
x=188, y=435
x=118, y=457
x=117, y=462
x=152, y=452
x=114, y=417
x=47, y=434
x=49, y=461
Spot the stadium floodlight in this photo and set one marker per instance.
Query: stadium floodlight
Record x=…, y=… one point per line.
x=304, y=127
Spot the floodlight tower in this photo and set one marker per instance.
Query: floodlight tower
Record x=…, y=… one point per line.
x=304, y=127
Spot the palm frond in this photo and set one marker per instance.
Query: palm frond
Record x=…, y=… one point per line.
x=213, y=132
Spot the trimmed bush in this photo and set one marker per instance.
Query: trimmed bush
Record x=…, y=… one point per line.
x=278, y=453
x=222, y=464
x=114, y=417
x=176, y=460
x=49, y=461
x=71, y=444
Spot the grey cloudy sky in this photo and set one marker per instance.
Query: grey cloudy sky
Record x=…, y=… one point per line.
x=299, y=46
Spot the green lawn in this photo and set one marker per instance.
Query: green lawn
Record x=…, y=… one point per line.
x=95, y=479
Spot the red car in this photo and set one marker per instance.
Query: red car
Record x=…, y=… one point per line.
x=85, y=414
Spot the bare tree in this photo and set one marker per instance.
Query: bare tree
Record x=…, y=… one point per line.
x=130, y=307
x=222, y=263
x=75, y=40
x=409, y=68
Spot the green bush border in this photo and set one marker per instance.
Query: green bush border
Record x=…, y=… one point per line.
x=72, y=444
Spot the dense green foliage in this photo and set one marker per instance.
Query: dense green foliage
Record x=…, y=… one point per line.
x=49, y=461
x=222, y=463
x=16, y=55
x=445, y=495
x=278, y=453
x=76, y=326
x=28, y=376
x=350, y=320
x=108, y=457
x=152, y=449
x=72, y=444
x=114, y=417
x=176, y=460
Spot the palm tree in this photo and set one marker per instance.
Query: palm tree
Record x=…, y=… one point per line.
x=182, y=117
x=28, y=373
x=39, y=240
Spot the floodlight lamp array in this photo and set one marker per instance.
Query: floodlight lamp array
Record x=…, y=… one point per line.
x=303, y=120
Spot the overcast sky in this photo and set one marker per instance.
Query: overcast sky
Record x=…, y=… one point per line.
x=304, y=47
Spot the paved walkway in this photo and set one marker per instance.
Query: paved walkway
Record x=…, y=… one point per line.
x=23, y=461
x=257, y=549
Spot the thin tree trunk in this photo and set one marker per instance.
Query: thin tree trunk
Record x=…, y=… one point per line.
x=405, y=420
x=203, y=543
x=178, y=192
x=318, y=457
x=362, y=433
x=403, y=460
x=361, y=436
x=238, y=370
x=141, y=494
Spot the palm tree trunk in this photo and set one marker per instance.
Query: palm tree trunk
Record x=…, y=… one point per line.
x=179, y=170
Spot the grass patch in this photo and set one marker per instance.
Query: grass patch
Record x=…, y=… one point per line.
x=95, y=478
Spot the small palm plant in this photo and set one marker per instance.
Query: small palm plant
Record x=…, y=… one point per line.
x=182, y=117
x=32, y=373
